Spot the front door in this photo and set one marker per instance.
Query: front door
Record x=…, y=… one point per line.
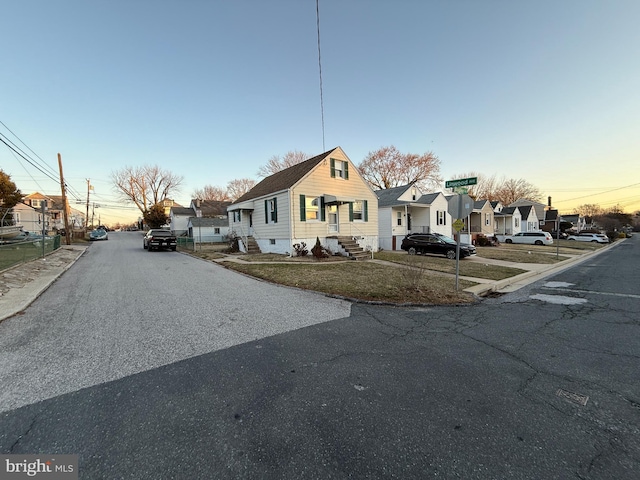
x=333, y=219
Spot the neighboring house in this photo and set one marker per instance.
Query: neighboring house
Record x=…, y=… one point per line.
x=323, y=197
x=578, y=221
x=530, y=222
x=180, y=216
x=537, y=206
x=208, y=230
x=480, y=221
x=29, y=213
x=179, y=219
x=405, y=209
x=550, y=221
x=508, y=221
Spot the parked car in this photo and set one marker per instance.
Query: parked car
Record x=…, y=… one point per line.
x=98, y=234
x=437, y=244
x=159, y=238
x=563, y=235
x=589, y=237
x=530, y=238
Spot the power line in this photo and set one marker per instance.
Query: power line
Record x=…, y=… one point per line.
x=29, y=161
x=43, y=165
x=596, y=194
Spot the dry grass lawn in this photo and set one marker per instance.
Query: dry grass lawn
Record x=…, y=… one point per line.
x=367, y=281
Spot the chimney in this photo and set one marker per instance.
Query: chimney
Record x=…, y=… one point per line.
x=198, y=202
x=549, y=200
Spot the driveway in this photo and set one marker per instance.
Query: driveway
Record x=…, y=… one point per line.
x=125, y=310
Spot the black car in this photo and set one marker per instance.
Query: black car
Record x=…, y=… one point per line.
x=435, y=243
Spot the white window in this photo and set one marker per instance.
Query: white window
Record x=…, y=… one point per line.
x=36, y=203
x=516, y=222
x=216, y=231
x=271, y=210
x=442, y=217
x=237, y=217
x=399, y=219
x=487, y=219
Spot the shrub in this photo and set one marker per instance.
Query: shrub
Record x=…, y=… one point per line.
x=319, y=251
x=300, y=249
x=483, y=241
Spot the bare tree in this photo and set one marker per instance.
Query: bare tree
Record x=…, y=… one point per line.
x=513, y=189
x=387, y=168
x=589, y=210
x=238, y=187
x=277, y=163
x=145, y=186
x=209, y=192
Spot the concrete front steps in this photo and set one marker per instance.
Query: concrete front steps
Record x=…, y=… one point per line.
x=352, y=248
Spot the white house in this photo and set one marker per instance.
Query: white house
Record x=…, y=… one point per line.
x=406, y=209
x=323, y=197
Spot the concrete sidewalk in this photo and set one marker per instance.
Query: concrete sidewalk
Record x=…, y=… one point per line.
x=22, y=284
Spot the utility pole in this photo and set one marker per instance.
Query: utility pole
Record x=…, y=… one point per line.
x=86, y=218
x=64, y=203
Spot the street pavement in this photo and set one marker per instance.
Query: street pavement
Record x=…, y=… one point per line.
x=538, y=383
x=21, y=285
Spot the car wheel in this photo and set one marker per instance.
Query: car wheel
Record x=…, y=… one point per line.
x=594, y=241
x=508, y=240
x=451, y=254
x=173, y=249
x=572, y=239
x=412, y=251
x=538, y=242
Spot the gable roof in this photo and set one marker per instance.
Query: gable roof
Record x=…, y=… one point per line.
x=208, y=222
x=508, y=210
x=211, y=208
x=181, y=211
x=428, y=198
x=525, y=210
x=389, y=196
x=283, y=179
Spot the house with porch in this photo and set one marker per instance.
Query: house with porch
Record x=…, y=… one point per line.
x=406, y=209
x=480, y=222
x=324, y=197
x=507, y=221
x=28, y=213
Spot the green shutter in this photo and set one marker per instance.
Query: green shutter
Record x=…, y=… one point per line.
x=322, y=209
x=346, y=170
x=351, y=211
x=303, y=208
x=333, y=168
x=365, y=206
x=266, y=212
x=275, y=210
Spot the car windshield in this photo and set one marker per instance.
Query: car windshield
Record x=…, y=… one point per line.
x=448, y=240
x=160, y=233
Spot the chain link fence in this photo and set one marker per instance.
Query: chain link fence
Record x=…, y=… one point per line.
x=15, y=253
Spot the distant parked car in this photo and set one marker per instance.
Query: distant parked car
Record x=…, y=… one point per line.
x=589, y=237
x=563, y=235
x=530, y=238
x=158, y=239
x=98, y=234
x=437, y=244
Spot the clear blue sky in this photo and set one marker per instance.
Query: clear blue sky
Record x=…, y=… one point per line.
x=542, y=90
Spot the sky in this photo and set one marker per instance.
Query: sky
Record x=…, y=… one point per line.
x=547, y=91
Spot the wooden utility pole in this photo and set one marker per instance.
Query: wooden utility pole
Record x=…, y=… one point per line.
x=86, y=219
x=64, y=203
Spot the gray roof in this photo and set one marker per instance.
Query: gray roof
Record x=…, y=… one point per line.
x=283, y=179
x=525, y=210
x=428, y=198
x=388, y=197
x=209, y=222
x=181, y=211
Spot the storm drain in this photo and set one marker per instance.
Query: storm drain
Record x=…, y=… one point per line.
x=576, y=398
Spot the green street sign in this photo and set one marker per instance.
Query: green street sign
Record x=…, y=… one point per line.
x=461, y=182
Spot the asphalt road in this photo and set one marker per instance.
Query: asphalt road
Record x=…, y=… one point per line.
x=539, y=383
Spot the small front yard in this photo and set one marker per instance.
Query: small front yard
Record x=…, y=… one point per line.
x=362, y=280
